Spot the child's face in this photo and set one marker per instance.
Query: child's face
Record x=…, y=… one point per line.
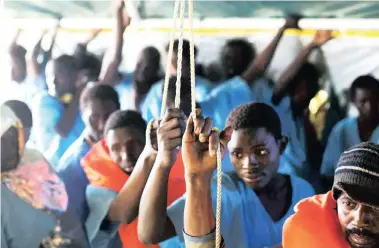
x=255, y=154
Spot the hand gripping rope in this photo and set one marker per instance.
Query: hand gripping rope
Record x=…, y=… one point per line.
x=193, y=94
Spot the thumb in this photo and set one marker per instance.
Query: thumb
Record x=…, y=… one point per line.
x=189, y=127
x=225, y=137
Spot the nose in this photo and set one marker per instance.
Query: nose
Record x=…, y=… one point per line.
x=124, y=155
x=250, y=162
x=362, y=217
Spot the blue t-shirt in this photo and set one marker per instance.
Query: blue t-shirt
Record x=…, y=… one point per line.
x=151, y=106
x=343, y=136
x=74, y=177
x=244, y=220
x=124, y=91
x=47, y=111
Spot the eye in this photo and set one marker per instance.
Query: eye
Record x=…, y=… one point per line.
x=237, y=155
x=261, y=152
x=349, y=204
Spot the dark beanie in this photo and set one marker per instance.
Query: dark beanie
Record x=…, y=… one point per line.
x=357, y=174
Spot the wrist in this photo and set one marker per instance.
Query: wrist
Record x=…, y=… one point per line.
x=198, y=180
x=149, y=157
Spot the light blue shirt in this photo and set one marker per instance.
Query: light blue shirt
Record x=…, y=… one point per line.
x=124, y=91
x=151, y=106
x=74, y=177
x=343, y=136
x=245, y=222
x=21, y=224
x=47, y=111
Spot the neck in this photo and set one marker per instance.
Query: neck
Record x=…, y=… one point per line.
x=368, y=123
x=276, y=184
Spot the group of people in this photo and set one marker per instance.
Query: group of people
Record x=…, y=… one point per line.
x=87, y=160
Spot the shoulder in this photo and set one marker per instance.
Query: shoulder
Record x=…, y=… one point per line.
x=301, y=188
x=344, y=124
x=73, y=154
x=44, y=101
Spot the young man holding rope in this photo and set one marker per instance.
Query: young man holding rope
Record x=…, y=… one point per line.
x=256, y=200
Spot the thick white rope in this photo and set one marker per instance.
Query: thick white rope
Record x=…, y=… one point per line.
x=193, y=104
x=192, y=55
x=169, y=58
x=180, y=55
x=193, y=92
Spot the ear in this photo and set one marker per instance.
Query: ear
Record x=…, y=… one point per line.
x=283, y=141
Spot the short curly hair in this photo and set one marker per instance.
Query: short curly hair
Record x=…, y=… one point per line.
x=255, y=115
x=364, y=82
x=100, y=92
x=123, y=119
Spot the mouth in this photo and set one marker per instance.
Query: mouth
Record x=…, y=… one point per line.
x=361, y=240
x=253, y=178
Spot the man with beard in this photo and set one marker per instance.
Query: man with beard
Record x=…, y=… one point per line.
x=346, y=216
x=114, y=192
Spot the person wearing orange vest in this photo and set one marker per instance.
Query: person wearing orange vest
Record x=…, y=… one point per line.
x=346, y=216
x=117, y=168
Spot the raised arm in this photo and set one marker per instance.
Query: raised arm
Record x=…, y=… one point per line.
x=49, y=52
x=36, y=66
x=125, y=207
x=258, y=67
x=200, y=143
x=81, y=48
x=15, y=38
x=154, y=226
x=281, y=87
x=122, y=22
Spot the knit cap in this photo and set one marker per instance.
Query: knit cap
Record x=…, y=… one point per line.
x=357, y=174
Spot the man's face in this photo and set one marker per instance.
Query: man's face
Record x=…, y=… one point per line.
x=367, y=103
x=146, y=72
x=125, y=146
x=95, y=114
x=255, y=154
x=60, y=80
x=359, y=222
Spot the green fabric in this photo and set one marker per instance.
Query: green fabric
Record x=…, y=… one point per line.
x=203, y=9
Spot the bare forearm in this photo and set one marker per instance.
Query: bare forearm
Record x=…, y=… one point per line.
x=258, y=67
x=112, y=67
x=198, y=212
x=125, y=207
x=36, y=52
x=153, y=206
x=282, y=86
